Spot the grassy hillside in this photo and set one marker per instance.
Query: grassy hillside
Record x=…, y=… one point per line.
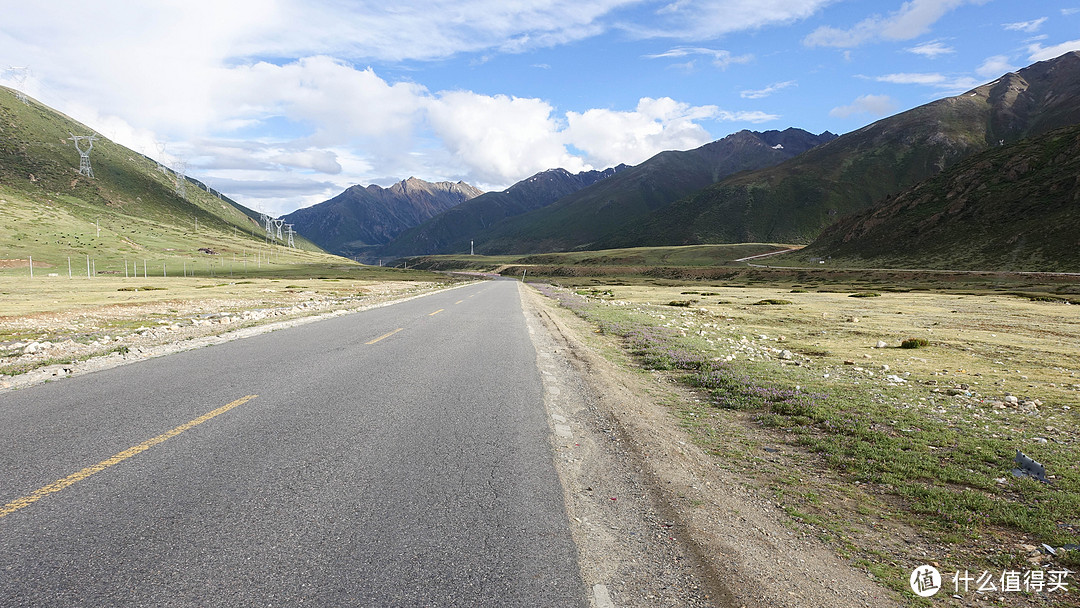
x=796, y=200
x=614, y=205
x=1014, y=207
x=128, y=211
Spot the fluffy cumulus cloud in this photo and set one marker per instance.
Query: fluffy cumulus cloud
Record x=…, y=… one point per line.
x=913, y=19
x=610, y=137
x=336, y=100
x=499, y=139
x=874, y=105
x=502, y=139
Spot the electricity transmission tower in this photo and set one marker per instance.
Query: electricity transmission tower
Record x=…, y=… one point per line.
x=19, y=75
x=266, y=221
x=289, y=233
x=181, y=179
x=277, y=227
x=84, y=155
x=161, y=154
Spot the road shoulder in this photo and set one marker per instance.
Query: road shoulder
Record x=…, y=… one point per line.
x=656, y=520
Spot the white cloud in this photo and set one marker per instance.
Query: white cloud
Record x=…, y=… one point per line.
x=769, y=90
x=322, y=161
x=500, y=139
x=710, y=19
x=755, y=117
x=913, y=19
x=338, y=102
x=1029, y=27
x=1039, y=52
x=610, y=137
x=875, y=105
x=995, y=66
x=941, y=83
x=720, y=58
x=913, y=78
x=931, y=49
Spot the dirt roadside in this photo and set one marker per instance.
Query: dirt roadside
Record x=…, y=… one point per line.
x=656, y=521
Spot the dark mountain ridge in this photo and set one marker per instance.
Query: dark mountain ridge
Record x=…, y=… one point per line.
x=616, y=204
x=365, y=216
x=452, y=230
x=794, y=201
x=1012, y=207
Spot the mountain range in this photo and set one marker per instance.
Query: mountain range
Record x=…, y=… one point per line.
x=795, y=201
x=453, y=230
x=981, y=180
x=364, y=217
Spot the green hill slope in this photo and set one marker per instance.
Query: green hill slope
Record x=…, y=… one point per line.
x=613, y=205
x=128, y=210
x=1013, y=207
x=794, y=201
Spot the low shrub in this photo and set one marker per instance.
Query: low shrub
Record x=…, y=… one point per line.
x=915, y=343
x=865, y=294
x=772, y=302
x=683, y=303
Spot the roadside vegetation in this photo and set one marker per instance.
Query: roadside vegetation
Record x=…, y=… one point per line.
x=893, y=456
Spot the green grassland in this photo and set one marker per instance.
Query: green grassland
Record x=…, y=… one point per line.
x=894, y=456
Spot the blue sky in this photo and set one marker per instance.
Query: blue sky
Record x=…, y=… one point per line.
x=282, y=104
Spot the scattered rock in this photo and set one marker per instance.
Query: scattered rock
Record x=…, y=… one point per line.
x=882, y=344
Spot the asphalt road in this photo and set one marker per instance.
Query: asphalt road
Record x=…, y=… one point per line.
x=394, y=457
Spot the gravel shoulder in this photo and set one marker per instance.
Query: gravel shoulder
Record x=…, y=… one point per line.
x=658, y=521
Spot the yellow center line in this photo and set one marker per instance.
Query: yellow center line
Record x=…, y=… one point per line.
x=436, y=312
x=60, y=484
x=459, y=302
x=384, y=336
